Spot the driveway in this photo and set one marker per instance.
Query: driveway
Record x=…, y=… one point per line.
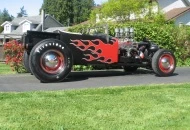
x=92, y=79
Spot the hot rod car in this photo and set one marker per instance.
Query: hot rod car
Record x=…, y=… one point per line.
x=50, y=56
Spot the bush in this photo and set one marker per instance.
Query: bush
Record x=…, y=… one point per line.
x=1, y=29
x=13, y=52
x=82, y=67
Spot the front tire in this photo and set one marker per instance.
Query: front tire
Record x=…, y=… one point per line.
x=51, y=60
x=164, y=63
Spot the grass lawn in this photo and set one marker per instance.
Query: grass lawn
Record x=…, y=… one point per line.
x=5, y=69
x=162, y=107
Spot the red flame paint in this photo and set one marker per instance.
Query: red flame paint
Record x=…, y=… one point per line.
x=106, y=52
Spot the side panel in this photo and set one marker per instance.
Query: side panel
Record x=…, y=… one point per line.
x=87, y=49
x=31, y=38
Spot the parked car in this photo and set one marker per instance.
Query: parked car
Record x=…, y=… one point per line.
x=50, y=56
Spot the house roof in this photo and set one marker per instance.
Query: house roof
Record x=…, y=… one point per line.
x=33, y=19
x=52, y=29
x=176, y=12
x=52, y=22
x=25, y=21
x=6, y=22
x=50, y=25
x=187, y=2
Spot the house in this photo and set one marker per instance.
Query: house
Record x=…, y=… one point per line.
x=18, y=26
x=175, y=10
x=168, y=5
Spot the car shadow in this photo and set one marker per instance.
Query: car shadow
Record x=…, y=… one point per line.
x=84, y=75
x=174, y=74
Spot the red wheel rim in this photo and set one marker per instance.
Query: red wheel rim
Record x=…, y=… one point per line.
x=166, y=63
x=52, y=62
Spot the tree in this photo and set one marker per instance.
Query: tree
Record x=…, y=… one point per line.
x=82, y=10
x=69, y=11
x=1, y=29
x=22, y=12
x=122, y=10
x=5, y=16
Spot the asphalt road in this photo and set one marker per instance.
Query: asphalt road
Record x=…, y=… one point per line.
x=93, y=79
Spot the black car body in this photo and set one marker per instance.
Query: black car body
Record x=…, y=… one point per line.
x=50, y=56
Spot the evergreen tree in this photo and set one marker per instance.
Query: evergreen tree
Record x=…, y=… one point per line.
x=69, y=11
x=22, y=12
x=4, y=16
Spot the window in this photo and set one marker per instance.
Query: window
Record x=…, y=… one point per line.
x=7, y=29
x=26, y=26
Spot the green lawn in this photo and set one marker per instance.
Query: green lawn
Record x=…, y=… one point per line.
x=154, y=107
x=5, y=69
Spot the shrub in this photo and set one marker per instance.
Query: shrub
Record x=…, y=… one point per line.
x=13, y=52
x=1, y=29
x=82, y=67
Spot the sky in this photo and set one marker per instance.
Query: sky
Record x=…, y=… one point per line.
x=31, y=6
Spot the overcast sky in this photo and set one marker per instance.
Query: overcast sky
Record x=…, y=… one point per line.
x=32, y=6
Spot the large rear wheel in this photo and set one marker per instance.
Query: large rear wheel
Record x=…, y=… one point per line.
x=164, y=62
x=51, y=60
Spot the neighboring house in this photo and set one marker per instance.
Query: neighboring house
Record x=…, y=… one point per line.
x=14, y=29
x=179, y=15
x=176, y=10
x=168, y=5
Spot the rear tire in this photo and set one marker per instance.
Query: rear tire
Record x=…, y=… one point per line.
x=51, y=60
x=164, y=63
x=26, y=61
